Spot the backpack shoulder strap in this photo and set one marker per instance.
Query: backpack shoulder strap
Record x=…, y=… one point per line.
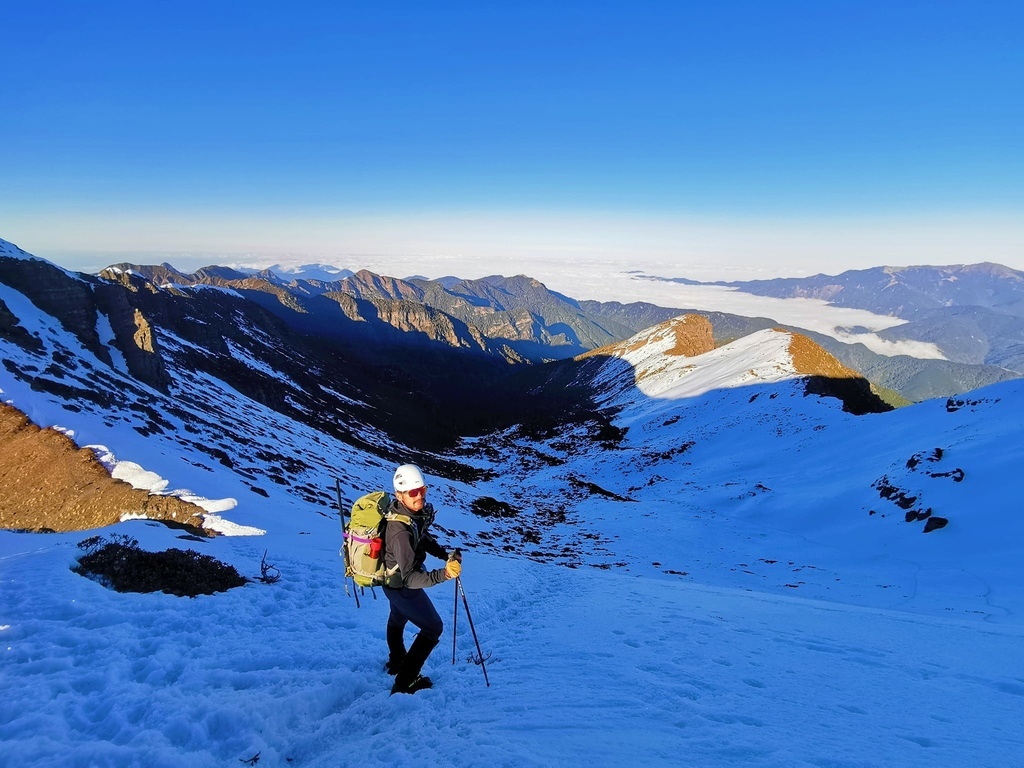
x=408, y=523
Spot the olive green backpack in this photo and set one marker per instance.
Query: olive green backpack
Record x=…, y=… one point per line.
x=364, y=539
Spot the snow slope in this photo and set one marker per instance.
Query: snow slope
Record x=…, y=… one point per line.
x=730, y=599
x=656, y=373
x=587, y=667
x=730, y=473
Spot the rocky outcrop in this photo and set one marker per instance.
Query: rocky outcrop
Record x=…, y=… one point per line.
x=693, y=336
x=827, y=377
x=49, y=483
x=67, y=298
x=811, y=359
x=134, y=335
x=77, y=302
x=367, y=285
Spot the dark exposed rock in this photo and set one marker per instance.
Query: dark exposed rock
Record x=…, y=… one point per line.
x=888, y=491
x=957, y=475
x=954, y=404
x=486, y=506
x=830, y=378
x=134, y=337
x=11, y=329
x=69, y=299
x=594, y=489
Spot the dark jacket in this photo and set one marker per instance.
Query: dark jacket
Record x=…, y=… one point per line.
x=407, y=546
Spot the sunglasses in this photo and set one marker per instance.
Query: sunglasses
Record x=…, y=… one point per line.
x=417, y=492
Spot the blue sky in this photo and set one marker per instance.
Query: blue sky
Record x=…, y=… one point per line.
x=820, y=135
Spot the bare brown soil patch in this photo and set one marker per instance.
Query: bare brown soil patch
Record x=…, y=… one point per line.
x=811, y=359
x=693, y=336
x=49, y=483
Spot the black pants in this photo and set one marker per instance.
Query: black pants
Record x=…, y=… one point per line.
x=412, y=605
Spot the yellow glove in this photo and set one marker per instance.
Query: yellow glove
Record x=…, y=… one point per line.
x=452, y=569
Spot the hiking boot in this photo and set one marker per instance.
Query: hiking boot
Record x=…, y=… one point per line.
x=408, y=679
x=419, y=684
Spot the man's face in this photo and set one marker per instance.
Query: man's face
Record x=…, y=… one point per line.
x=413, y=499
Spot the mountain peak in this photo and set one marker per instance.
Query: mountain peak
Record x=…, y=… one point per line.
x=683, y=336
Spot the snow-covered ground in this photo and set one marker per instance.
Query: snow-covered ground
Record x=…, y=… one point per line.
x=745, y=598
x=587, y=668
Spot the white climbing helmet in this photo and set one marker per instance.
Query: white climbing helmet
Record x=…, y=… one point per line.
x=407, y=477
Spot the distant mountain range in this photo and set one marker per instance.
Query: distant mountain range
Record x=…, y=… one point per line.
x=408, y=368
x=513, y=318
x=200, y=381
x=968, y=312
x=973, y=313
x=906, y=292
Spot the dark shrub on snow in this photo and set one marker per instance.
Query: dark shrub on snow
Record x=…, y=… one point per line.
x=122, y=566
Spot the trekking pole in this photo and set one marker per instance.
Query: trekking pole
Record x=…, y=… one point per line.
x=344, y=546
x=480, y=653
x=455, y=621
x=455, y=617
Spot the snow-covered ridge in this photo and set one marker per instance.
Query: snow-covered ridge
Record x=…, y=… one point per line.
x=10, y=249
x=762, y=358
x=326, y=273
x=677, y=360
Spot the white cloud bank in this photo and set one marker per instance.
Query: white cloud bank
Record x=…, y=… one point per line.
x=810, y=314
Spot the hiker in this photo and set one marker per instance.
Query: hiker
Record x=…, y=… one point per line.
x=407, y=545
